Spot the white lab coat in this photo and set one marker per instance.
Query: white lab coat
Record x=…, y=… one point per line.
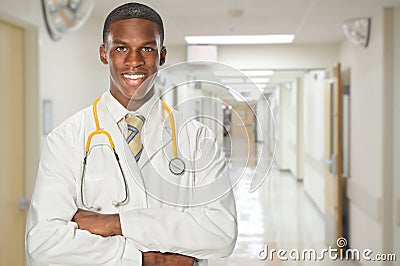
x=149, y=221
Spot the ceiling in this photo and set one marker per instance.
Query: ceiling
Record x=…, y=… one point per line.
x=312, y=21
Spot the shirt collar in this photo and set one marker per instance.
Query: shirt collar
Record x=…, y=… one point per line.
x=118, y=111
x=147, y=107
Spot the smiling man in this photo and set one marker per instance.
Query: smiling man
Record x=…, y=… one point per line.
x=88, y=207
x=133, y=48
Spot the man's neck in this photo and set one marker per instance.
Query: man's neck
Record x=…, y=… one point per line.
x=132, y=104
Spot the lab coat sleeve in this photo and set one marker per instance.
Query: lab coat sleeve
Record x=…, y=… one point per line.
x=51, y=237
x=206, y=231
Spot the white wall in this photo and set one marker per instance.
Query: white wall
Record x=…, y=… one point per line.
x=175, y=54
x=300, y=128
x=314, y=136
x=367, y=137
x=291, y=147
x=396, y=133
x=71, y=74
x=284, y=126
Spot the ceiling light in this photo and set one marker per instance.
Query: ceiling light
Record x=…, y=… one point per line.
x=240, y=39
x=258, y=73
x=260, y=80
x=261, y=85
x=232, y=81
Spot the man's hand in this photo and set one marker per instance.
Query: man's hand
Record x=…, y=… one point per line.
x=99, y=224
x=166, y=259
x=109, y=225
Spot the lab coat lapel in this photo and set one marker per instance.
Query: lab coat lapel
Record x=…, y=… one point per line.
x=156, y=133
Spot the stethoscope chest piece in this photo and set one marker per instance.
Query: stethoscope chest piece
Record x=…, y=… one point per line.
x=177, y=166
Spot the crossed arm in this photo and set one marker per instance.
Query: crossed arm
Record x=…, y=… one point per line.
x=109, y=225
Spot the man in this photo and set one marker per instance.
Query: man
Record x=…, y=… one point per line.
x=67, y=226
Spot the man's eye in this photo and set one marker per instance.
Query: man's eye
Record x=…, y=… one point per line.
x=121, y=49
x=147, y=49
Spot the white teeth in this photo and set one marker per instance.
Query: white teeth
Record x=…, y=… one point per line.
x=136, y=76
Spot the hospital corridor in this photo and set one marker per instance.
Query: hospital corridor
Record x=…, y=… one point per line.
x=286, y=110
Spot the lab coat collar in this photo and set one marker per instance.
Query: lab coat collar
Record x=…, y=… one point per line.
x=116, y=109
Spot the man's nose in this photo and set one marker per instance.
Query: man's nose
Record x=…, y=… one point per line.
x=134, y=59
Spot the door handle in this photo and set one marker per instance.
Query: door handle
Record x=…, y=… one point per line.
x=326, y=161
x=331, y=163
x=23, y=203
x=398, y=212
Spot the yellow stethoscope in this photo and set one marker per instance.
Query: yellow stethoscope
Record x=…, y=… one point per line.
x=176, y=164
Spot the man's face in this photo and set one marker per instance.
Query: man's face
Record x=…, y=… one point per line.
x=134, y=53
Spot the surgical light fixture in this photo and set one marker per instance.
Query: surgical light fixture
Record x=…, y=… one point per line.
x=63, y=16
x=240, y=39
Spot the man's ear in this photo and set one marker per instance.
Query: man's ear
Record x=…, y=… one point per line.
x=163, y=55
x=103, y=54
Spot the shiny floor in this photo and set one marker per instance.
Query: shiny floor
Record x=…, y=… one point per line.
x=278, y=215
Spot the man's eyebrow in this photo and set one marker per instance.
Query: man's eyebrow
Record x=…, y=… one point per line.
x=119, y=42
x=153, y=42
x=150, y=43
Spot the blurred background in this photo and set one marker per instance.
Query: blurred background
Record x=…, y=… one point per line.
x=332, y=84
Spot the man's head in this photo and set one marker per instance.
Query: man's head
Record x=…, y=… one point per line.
x=133, y=10
x=133, y=48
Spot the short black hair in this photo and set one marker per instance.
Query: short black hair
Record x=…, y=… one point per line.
x=129, y=11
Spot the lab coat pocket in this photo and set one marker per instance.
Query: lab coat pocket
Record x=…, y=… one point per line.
x=103, y=182
x=163, y=185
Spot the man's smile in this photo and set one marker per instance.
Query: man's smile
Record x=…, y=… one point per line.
x=133, y=78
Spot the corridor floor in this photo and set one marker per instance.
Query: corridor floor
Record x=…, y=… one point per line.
x=279, y=215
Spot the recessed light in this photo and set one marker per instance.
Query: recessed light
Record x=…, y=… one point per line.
x=240, y=39
x=258, y=73
x=260, y=80
x=232, y=81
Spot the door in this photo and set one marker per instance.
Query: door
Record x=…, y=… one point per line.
x=12, y=136
x=243, y=133
x=333, y=154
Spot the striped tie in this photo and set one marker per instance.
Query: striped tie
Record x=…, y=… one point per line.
x=135, y=123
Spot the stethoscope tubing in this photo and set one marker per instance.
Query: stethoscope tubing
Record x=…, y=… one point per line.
x=178, y=170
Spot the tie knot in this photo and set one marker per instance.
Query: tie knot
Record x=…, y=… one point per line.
x=135, y=121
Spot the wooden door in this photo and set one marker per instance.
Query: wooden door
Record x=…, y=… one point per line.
x=12, y=148
x=243, y=134
x=333, y=153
